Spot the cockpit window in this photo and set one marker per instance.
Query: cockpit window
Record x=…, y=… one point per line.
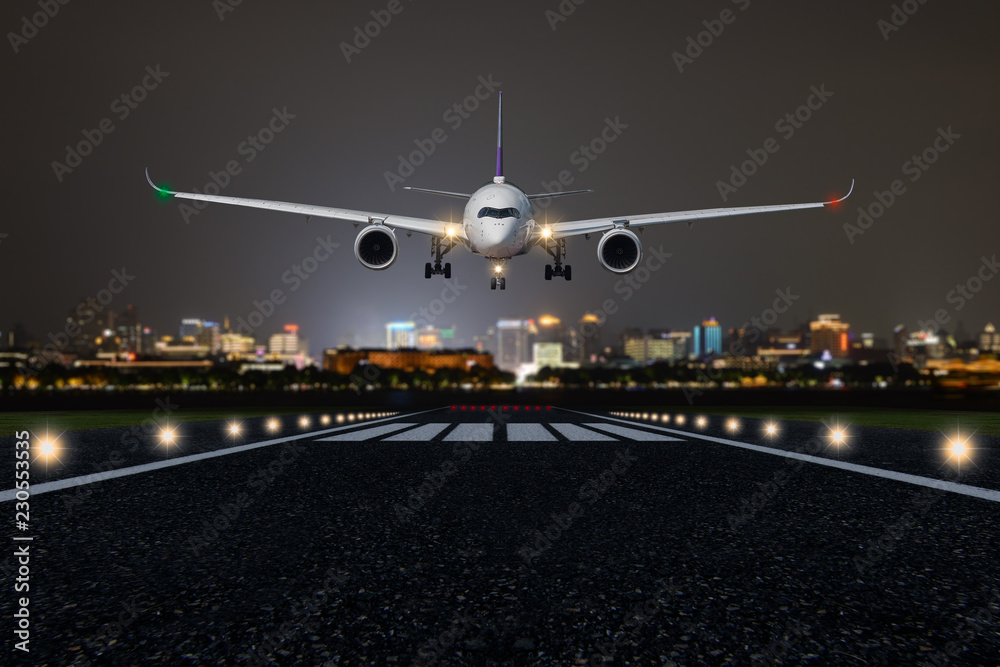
x=498, y=213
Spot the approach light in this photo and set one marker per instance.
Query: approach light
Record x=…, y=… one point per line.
x=733, y=425
x=168, y=435
x=702, y=422
x=645, y=415
x=340, y=419
x=234, y=429
x=770, y=429
x=838, y=435
x=304, y=422
x=273, y=425
x=680, y=419
x=350, y=417
x=325, y=419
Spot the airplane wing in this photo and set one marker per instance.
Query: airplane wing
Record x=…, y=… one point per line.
x=577, y=227
x=419, y=225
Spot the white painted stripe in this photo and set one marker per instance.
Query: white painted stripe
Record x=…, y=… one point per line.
x=634, y=434
x=578, y=434
x=471, y=433
x=366, y=433
x=529, y=433
x=70, y=482
x=422, y=434
x=930, y=482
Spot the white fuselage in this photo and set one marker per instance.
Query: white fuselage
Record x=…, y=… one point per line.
x=498, y=221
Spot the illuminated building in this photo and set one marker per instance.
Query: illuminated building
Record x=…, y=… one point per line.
x=548, y=354
x=237, y=344
x=829, y=334
x=514, y=343
x=429, y=338
x=589, y=337
x=708, y=338
x=344, y=360
x=989, y=340
x=401, y=336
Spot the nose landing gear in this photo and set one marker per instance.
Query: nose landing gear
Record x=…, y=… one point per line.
x=498, y=280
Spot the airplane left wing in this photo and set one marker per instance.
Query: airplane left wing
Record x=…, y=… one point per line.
x=577, y=227
x=419, y=225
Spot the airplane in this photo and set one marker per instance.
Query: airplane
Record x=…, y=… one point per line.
x=499, y=224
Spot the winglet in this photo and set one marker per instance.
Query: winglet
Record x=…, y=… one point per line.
x=837, y=201
x=155, y=187
x=499, y=177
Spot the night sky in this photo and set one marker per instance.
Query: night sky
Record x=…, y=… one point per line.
x=221, y=78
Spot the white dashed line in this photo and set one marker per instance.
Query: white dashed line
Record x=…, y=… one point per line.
x=578, y=434
x=471, y=433
x=634, y=434
x=422, y=434
x=529, y=433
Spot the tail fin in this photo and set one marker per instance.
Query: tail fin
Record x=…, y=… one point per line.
x=499, y=177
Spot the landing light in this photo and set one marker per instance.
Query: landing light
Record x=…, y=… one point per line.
x=498, y=268
x=547, y=232
x=451, y=231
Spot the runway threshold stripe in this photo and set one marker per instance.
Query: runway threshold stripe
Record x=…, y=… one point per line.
x=422, y=434
x=634, y=434
x=471, y=433
x=365, y=434
x=580, y=434
x=70, y=482
x=929, y=482
x=529, y=433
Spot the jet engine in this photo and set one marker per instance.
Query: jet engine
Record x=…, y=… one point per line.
x=619, y=251
x=375, y=247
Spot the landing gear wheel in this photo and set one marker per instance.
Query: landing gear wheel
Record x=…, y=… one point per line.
x=548, y=272
x=503, y=283
x=427, y=270
x=493, y=282
x=447, y=271
x=568, y=273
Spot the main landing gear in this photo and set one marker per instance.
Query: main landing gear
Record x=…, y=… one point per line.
x=498, y=280
x=557, y=249
x=439, y=248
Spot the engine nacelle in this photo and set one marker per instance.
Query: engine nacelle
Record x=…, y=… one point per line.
x=375, y=247
x=619, y=251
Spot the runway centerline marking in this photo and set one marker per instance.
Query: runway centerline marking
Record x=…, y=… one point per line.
x=930, y=482
x=70, y=482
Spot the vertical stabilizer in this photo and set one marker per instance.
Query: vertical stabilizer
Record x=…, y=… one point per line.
x=499, y=177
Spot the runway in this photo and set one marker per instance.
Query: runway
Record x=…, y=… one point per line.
x=491, y=534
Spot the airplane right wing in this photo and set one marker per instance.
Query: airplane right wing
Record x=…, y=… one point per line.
x=419, y=225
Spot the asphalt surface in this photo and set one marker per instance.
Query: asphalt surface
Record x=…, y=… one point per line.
x=503, y=537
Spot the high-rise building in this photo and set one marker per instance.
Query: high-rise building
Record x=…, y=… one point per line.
x=209, y=336
x=708, y=338
x=989, y=340
x=190, y=328
x=514, y=343
x=288, y=342
x=130, y=331
x=548, y=354
x=634, y=344
x=429, y=338
x=589, y=345
x=829, y=334
x=401, y=336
